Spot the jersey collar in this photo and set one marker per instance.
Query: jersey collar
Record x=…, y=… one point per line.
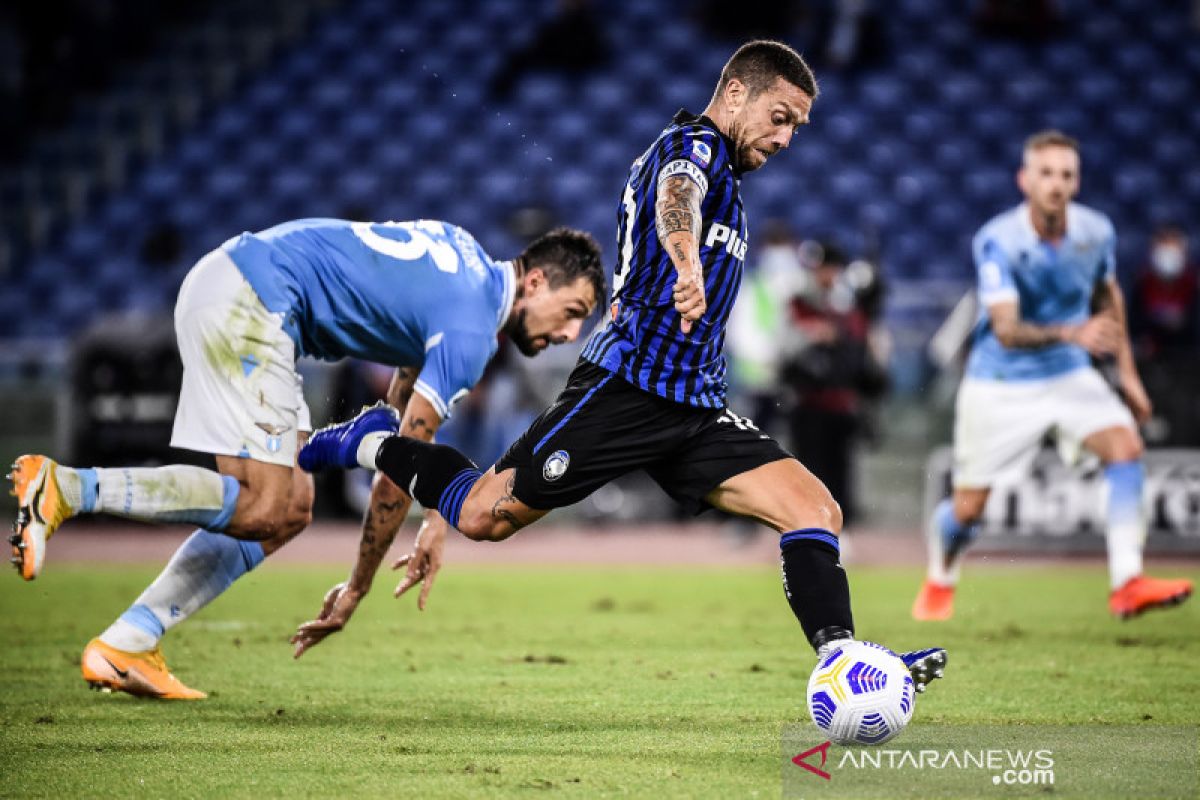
x=1025, y=213
x=685, y=117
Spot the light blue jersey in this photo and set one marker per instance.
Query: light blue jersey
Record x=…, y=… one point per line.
x=1052, y=285
x=418, y=294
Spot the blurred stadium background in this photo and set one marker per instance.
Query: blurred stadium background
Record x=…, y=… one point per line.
x=137, y=136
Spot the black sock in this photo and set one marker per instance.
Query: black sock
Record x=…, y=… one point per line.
x=434, y=466
x=815, y=584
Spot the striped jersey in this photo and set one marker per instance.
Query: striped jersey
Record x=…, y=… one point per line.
x=644, y=342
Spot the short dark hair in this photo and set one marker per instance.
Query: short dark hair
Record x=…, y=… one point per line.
x=566, y=255
x=758, y=63
x=1051, y=138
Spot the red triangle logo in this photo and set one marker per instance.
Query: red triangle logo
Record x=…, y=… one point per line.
x=823, y=749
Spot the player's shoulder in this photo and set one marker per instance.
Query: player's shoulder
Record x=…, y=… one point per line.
x=1089, y=222
x=1001, y=229
x=691, y=136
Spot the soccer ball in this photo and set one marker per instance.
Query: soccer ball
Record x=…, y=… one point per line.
x=861, y=693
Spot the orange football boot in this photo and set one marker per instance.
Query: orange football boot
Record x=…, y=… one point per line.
x=1140, y=593
x=142, y=674
x=41, y=508
x=934, y=602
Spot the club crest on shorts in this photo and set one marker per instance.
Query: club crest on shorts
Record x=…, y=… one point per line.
x=556, y=465
x=274, y=435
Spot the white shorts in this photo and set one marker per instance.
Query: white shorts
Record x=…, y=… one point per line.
x=241, y=394
x=998, y=425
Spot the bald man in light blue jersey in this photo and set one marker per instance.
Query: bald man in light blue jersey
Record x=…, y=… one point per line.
x=421, y=296
x=1049, y=302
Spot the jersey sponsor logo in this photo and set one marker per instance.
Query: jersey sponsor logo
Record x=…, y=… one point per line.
x=556, y=465
x=701, y=153
x=734, y=244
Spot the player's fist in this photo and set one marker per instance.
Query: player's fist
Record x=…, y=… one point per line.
x=1100, y=335
x=689, y=296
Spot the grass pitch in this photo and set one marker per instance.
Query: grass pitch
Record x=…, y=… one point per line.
x=584, y=682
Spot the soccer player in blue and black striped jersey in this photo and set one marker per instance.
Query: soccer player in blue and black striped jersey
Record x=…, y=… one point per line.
x=649, y=392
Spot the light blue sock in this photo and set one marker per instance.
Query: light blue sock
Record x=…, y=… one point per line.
x=1126, y=522
x=955, y=538
x=202, y=568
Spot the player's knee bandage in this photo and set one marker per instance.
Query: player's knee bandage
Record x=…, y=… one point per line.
x=814, y=582
x=437, y=476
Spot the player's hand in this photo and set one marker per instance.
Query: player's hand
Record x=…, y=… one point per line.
x=689, y=296
x=1137, y=399
x=1100, y=335
x=336, y=610
x=425, y=560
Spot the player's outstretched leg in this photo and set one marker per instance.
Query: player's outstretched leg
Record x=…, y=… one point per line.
x=1132, y=592
x=435, y=475
x=946, y=541
x=48, y=493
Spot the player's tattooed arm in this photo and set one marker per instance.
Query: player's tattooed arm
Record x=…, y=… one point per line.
x=388, y=505
x=677, y=220
x=1096, y=335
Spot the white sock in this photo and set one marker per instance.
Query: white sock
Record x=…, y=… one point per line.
x=174, y=493
x=368, y=448
x=126, y=636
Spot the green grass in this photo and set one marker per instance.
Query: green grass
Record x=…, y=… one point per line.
x=581, y=682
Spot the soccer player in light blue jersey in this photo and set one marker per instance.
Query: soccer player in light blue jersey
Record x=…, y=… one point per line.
x=1049, y=302
x=421, y=296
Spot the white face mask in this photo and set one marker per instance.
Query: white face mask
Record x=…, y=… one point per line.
x=1167, y=260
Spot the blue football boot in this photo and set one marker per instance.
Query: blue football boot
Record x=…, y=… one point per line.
x=337, y=445
x=925, y=665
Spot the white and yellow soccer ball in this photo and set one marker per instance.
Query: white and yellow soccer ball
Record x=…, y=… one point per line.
x=861, y=693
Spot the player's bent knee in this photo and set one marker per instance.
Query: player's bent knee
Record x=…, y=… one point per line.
x=481, y=526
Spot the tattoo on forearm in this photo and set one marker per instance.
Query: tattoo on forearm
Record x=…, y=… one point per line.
x=1025, y=334
x=419, y=428
x=678, y=207
x=504, y=514
x=379, y=529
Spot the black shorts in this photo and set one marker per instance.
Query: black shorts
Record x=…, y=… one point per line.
x=602, y=427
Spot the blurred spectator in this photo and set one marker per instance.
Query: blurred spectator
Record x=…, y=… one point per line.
x=1163, y=310
x=758, y=325
x=832, y=371
x=1164, y=326
x=571, y=41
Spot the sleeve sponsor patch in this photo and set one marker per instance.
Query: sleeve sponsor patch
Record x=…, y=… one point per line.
x=681, y=167
x=699, y=152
